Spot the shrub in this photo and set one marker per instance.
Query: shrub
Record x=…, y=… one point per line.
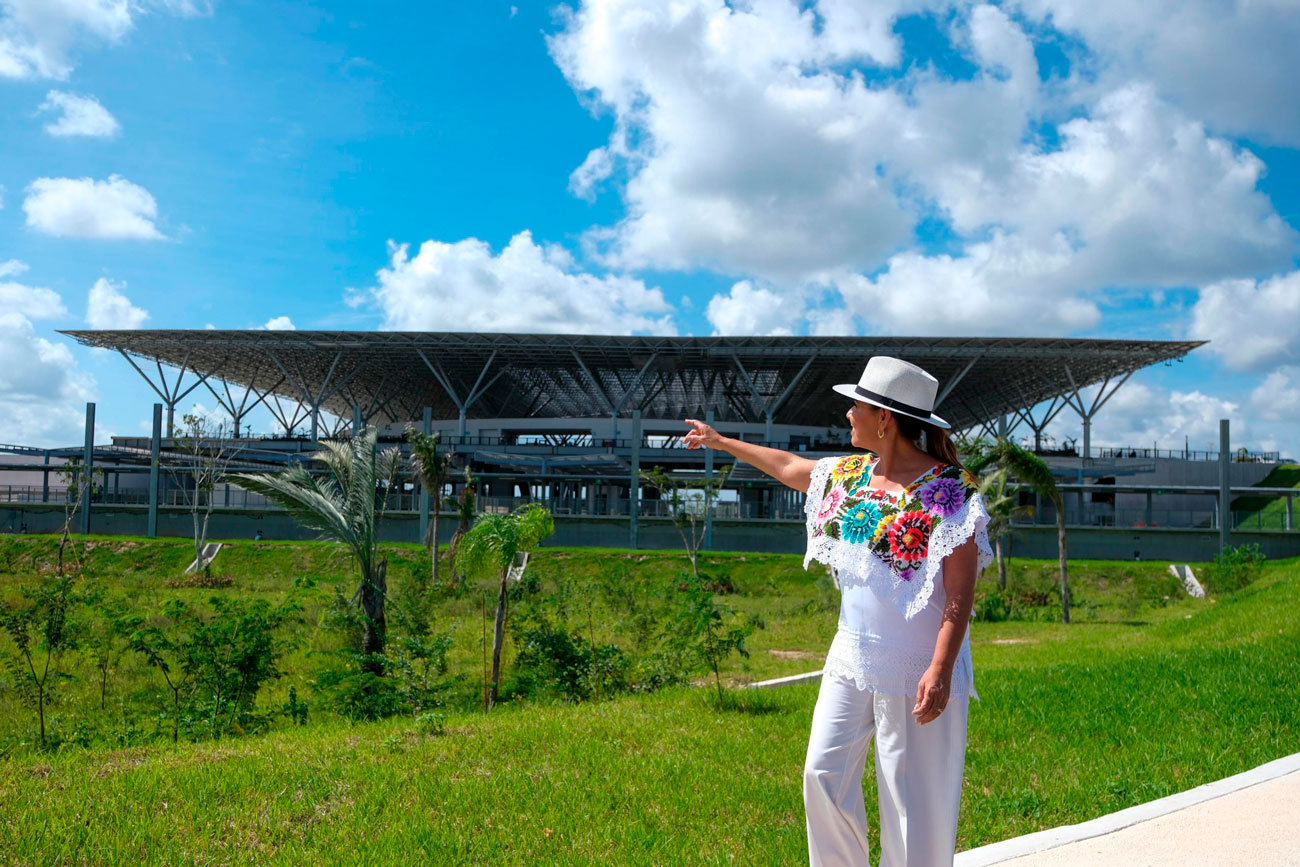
x=705, y=631
x=215, y=665
x=993, y=607
x=430, y=723
x=357, y=692
x=1235, y=568
x=552, y=658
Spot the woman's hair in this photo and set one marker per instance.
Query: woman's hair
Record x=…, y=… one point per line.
x=937, y=442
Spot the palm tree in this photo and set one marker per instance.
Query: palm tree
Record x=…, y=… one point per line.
x=1003, y=509
x=430, y=465
x=1030, y=469
x=343, y=507
x=490, y=548
x=466, y=509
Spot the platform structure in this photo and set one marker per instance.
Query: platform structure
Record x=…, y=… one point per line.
x=571, y=419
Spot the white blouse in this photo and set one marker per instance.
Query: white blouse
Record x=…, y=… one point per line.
x=887, y=628
x=878, y=648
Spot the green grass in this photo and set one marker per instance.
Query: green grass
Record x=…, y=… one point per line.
x=1141, y=697
x=1268, y=512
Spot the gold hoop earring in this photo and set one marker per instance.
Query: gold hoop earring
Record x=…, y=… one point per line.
x=880, y=433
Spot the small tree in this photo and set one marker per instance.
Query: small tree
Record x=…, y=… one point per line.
x=208, y=454
x=109, y=636
x=162, y=646
x=215, y=665
x=689, y=512
x=1030, y=469
x=42, y=629
x=466, y=510
x=430, y=466
x=1003, y=508
x=78, y=484
x=489, y=549
x=708, y=631
x=346, y=506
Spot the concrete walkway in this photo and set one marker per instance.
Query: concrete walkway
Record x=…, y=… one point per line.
x=1248, y=819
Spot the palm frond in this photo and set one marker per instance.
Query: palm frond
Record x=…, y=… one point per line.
x=298, y=492
x=387, y=464
x=535, y=523
x=489, y=547
x=337, y=458
x=428, y=463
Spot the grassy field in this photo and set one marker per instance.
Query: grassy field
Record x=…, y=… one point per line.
x=1146, y=694
x=1269, y=512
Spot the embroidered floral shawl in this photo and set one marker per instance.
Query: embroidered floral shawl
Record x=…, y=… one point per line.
x=911, y=531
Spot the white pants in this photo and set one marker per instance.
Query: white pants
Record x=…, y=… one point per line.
x=918, y=772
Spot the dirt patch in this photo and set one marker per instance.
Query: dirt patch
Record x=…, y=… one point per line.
x=793, y=654
x=1013, y=641
x=198, y=579
x=115, y=546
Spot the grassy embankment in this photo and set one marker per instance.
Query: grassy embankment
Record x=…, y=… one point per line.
x=1269, y=513
x=1141, y=697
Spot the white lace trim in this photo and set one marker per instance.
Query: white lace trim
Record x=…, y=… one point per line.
x=909, y=597
x=870, y=663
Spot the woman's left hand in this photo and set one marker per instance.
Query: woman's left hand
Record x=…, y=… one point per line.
x=932, y=694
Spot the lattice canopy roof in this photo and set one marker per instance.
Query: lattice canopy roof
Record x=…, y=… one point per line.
x=392, y=375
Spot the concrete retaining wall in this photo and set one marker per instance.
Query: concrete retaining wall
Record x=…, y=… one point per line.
x=1177, y=545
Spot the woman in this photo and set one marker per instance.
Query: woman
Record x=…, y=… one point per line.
x=904, y=527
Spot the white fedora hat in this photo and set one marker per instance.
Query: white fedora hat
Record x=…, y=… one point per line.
x=897, y=385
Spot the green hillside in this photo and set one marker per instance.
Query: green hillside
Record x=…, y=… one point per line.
x=1148, y=693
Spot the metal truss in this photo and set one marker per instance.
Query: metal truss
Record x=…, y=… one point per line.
x=391, y=376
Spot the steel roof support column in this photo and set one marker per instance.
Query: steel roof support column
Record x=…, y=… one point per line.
x=426, y=425
x=952, y=383
x=171, y=395
x=477, y=391
x=708, y=481
x=155, y=446
x=357, y=420
x=1225, y=503
x=634, y=486
x=237, y=413
x=1076, y=401
x=88, y=470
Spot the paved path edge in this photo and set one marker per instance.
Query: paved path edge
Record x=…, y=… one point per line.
x=1039, y=841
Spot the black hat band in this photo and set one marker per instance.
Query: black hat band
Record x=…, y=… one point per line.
x=891, y=403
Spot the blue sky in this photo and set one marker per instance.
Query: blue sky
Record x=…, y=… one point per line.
x=1030, y=168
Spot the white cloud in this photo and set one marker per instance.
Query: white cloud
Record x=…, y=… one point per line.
x=748, y=309
x=1232, y=64
x=108, y=308
x=37, y=36
x=831, y=322
x=87, y=208
x=280, y=323
x=1139, y=415
x=80, y=116
x=1145, y=196
x=41, y=388
x=744, y=151
x=1275, y=403
x=745, y=144
x=1250, y=324
x=462, y=286
x=32, y=302
x=1003, y=286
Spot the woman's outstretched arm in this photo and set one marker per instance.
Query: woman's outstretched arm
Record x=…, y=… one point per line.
x=790, y=470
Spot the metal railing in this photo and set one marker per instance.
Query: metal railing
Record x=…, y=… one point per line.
x=603, y=505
